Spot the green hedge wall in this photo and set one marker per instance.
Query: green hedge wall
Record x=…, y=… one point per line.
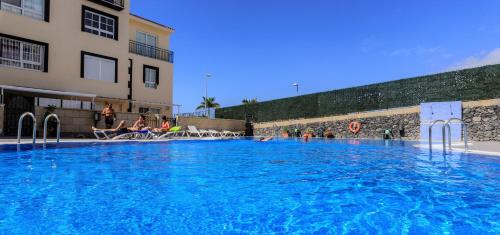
x=465, y=85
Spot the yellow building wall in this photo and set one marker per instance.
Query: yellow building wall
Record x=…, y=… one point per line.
x=66, y=41
x=163, y=93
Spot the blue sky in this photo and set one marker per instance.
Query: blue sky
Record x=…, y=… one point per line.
x=258, y=48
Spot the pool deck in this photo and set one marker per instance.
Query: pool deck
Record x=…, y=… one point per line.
x=484, y=148
x=491, y=148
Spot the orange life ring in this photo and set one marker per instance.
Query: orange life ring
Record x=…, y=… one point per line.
x=355, y=127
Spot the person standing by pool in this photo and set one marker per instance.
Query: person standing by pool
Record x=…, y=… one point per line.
x=109, y=116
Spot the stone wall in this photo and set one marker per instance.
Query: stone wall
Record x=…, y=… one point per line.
x=483, y=122
x=372, y=127
x=215, y=124
x=2, y=114
x=481, y=117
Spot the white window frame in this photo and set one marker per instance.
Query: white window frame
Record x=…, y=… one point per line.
x=100, y=60
x=24, y=11
x=98, y=106
x=72, y=104
x=86, y=105
x=150, y=81
x=147, y=36
x=31, y=55
x=149, y=49
x=107, y=34
x=46, y=102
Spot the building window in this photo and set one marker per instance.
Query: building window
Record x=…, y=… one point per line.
x=72, y=104
x=35, y=9
x=46, y=102
x=151, y=76
x=148, y=44
x=100, y=23
x=149, y=110
x=98, y=67
x=98, y=106
x=21, y=54
x=147, y=39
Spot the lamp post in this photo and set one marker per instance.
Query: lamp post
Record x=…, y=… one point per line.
x=207, y=76
x=296, y=85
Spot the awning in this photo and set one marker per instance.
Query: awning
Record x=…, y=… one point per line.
x=44, y=91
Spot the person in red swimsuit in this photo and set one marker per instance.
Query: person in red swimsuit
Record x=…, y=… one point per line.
x=165, y=125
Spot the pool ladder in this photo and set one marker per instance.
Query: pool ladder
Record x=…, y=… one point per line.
x=446, y=126
x=33, y=118
x=45, y=128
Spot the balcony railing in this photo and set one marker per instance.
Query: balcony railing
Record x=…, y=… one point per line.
x=151, y=51
x=115, y=4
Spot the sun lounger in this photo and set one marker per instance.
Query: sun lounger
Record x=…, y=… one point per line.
x=214, y=133
x=192, y=130
x=174, y=131
x=104, y=135
x=230, y=134
x=136, y=135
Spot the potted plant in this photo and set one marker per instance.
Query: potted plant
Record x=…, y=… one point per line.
x=328, y=133
x=51, y=123
x=285, y=133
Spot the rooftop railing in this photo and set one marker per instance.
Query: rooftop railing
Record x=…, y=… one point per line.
x=151, y=51
x=115, y=4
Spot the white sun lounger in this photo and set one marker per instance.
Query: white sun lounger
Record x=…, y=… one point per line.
x=104, y=135
x=231, y=134
x=192, y=130
x=215, y=133
x=136, y=135
x=172, y=134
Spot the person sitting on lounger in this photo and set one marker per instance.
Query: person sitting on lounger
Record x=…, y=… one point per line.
x=123, y=129
x=165, y=125
x=120, y=129
x=140, y=124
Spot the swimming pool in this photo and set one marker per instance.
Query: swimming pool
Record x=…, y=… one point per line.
x=241, y=186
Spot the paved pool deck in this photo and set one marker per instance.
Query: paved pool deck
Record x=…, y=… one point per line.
x=484, y=148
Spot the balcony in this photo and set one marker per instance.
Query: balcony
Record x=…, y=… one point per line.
x=114, y=4
x=151, y=51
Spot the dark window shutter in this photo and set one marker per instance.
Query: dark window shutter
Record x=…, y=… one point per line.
x=47, y=10
x=157, y=77
x=144, y=75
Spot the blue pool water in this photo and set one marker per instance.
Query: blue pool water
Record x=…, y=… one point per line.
x=241, y=187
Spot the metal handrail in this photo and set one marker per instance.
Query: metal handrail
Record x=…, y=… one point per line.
x=464, y=132
x=19, y=127
x=118, y=3
x=45, y=128
x=151, y=51
x=430, y=134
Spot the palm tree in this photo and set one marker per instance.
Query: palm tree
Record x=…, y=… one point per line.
x=248, y=101
x=210, y=103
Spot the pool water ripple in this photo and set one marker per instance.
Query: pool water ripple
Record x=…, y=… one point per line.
x=245, y=187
